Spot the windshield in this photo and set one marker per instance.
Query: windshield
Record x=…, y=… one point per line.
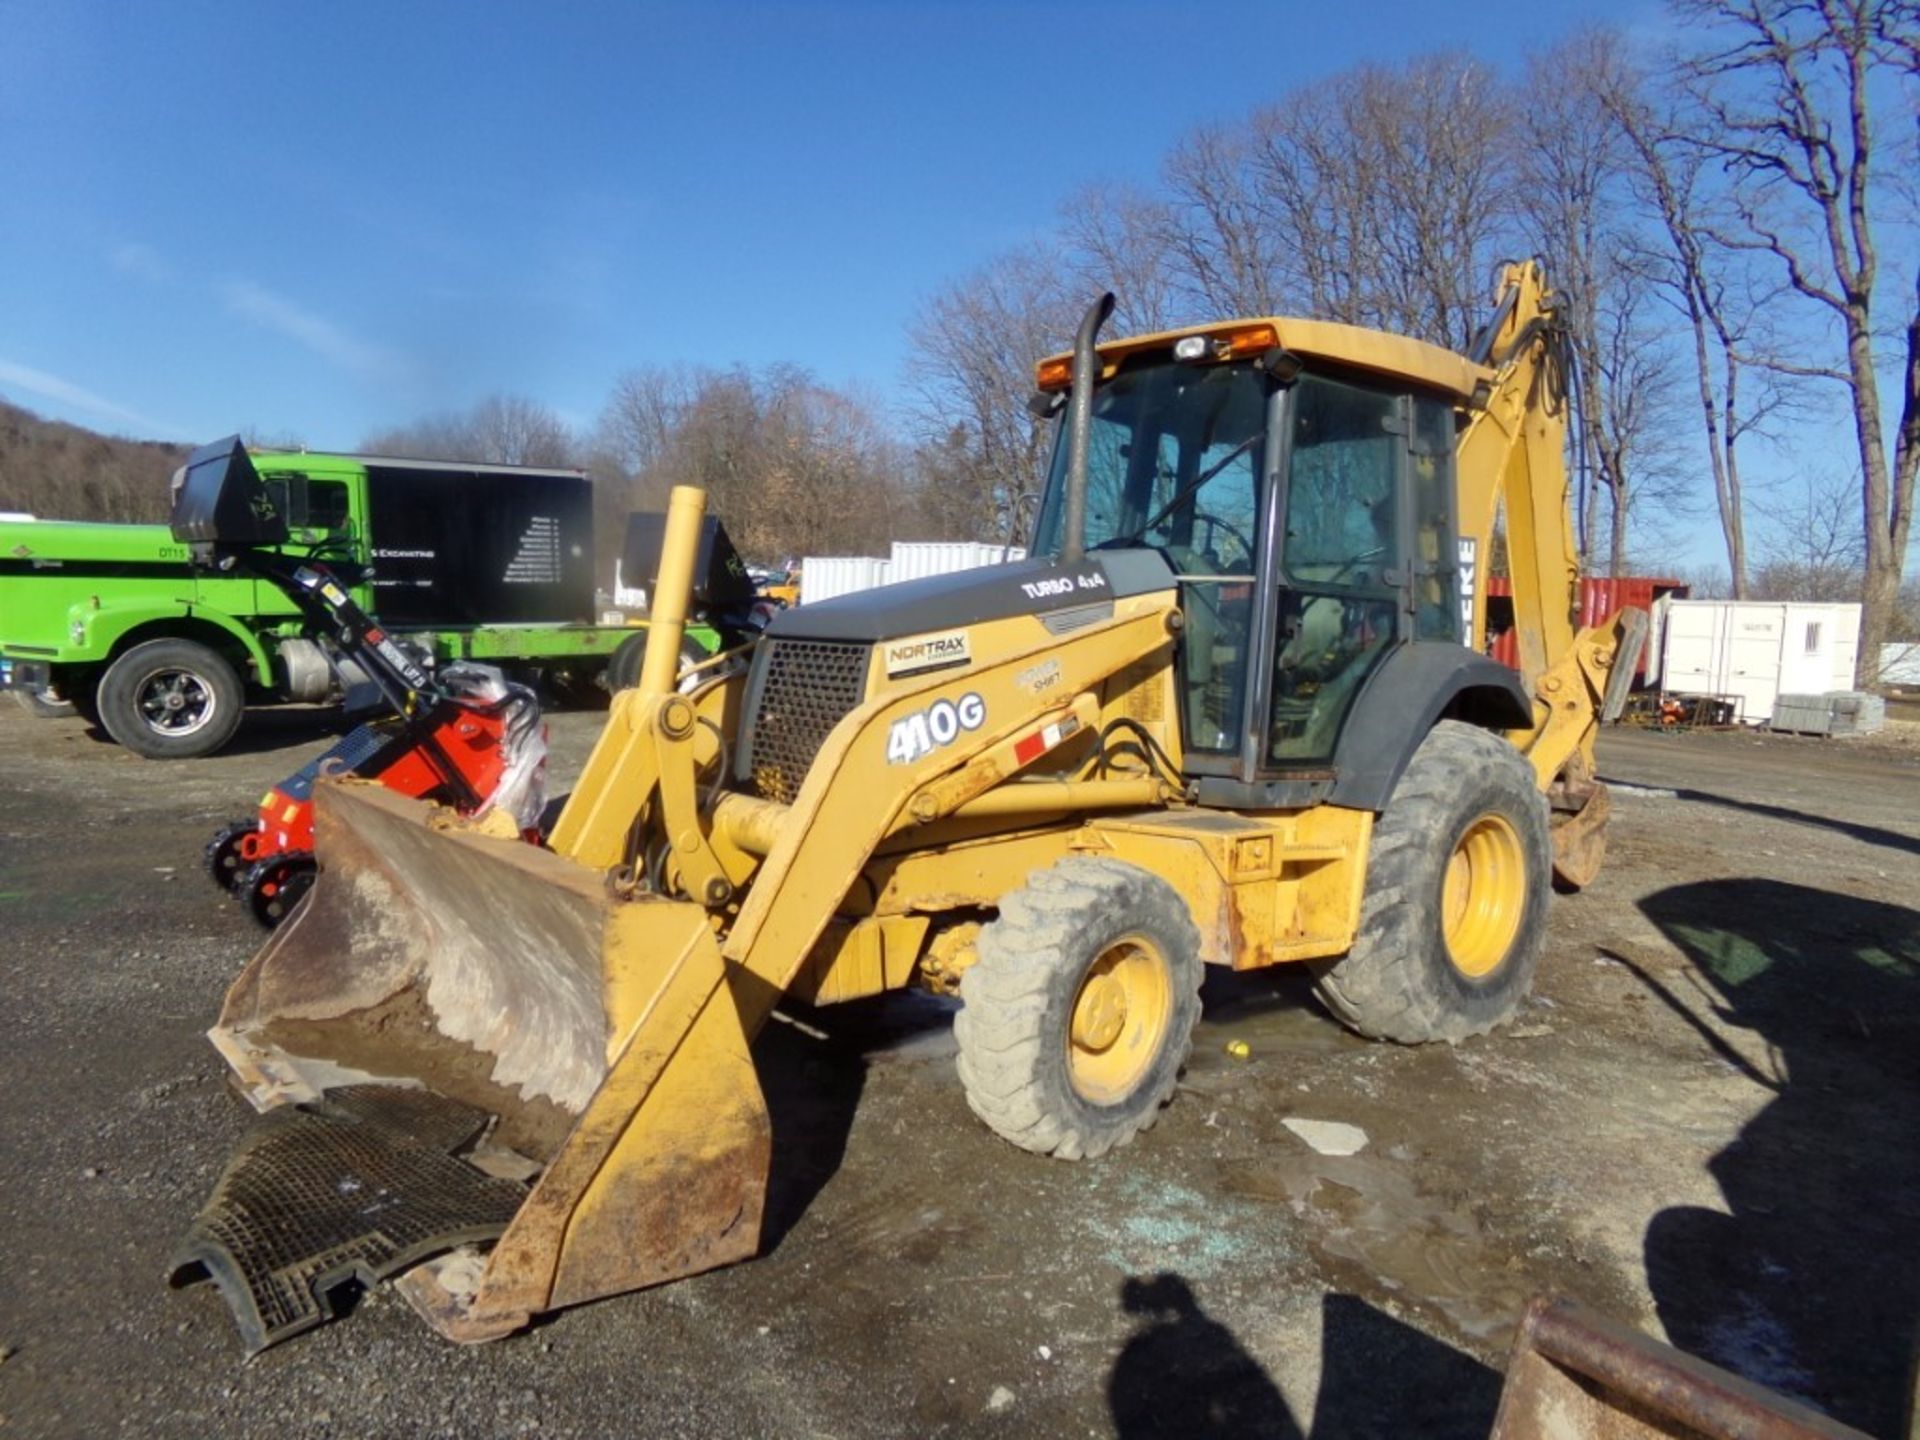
x=1174, y=462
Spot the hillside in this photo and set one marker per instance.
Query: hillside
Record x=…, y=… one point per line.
x=66, y=472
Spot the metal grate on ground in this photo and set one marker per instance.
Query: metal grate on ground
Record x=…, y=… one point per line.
x=356, y=1187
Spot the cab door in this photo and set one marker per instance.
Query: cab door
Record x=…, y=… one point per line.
x=1343, y=594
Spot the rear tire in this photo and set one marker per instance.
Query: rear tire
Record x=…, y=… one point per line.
x=1454, y=918
x=623, y=669
x=43, y=706
x=170, y=700
x=1079, y=1012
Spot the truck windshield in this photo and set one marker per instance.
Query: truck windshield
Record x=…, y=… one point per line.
x=1174, y=463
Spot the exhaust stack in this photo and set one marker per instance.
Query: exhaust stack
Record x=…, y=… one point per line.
x=1073, y=540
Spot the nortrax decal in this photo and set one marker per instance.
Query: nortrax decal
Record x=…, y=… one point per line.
x=940, y=724
x=927, y=652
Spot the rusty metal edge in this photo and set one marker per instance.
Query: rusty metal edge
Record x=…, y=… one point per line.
x=1670, y=1382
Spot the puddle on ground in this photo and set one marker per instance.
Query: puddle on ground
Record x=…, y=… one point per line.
x=1274, y=1015
x=1367, y=1213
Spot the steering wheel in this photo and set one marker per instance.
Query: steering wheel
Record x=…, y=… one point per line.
x=1214, y=522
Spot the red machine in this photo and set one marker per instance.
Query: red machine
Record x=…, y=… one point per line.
x=459, y=752
x=464, y=736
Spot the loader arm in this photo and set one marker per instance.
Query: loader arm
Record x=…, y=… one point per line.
x=853, y=797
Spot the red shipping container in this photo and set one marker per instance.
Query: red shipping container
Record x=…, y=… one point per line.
x=1601, y=597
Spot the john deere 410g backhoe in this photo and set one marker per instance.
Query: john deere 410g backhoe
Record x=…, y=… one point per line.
x=1231, y=711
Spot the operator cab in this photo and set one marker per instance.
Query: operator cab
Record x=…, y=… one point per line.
x=1306, y=506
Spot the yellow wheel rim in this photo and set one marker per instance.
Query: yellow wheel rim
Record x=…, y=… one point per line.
x=1484, y=896
x=1119, y=1020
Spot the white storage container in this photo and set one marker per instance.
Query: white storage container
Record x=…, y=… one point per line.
x=914, y=559
x=824, y=576
x=1752, y=650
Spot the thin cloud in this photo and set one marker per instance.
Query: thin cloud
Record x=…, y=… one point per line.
x=255, y=302
x=64, y=392
x=143, y=262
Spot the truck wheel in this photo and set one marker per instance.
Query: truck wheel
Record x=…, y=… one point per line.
x=1079, y=1012
x=45, y=705
x=170, y=700
x=623, y=669
x=1454, y=918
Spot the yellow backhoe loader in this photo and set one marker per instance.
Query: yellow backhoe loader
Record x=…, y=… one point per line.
x=1232, y=710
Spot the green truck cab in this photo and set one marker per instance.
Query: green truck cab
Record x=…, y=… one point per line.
x=467, y=562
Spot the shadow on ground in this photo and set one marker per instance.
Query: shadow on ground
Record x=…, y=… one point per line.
x=1810, y=1281
x=812, y=1089
x=1184, y=1374
x=1865, y=834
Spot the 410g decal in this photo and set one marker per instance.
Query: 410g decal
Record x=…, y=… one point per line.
x=941, y=723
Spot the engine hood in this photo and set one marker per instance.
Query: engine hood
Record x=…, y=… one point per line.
x=967, y=597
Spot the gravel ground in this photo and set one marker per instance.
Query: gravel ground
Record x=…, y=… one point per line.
x=1701, y=1124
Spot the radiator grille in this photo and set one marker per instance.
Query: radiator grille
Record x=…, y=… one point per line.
x=807, y=688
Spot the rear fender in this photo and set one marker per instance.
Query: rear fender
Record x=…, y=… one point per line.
x=1416, y=687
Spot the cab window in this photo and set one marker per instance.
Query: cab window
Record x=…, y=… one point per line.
x=327, y=507
x=1339, y=607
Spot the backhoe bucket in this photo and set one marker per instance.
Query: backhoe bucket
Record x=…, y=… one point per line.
x=1575, y=1375
x=451, y=1013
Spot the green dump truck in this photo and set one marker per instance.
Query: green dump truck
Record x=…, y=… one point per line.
x=468, y=562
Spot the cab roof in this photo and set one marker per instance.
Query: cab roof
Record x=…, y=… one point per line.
x=1395, y=357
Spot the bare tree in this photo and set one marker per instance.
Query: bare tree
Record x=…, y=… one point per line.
x=792, y=467
x=1709, y=287
x=1378, y=196
x=1220, y=231
x=1790, y=89
x=60, y=471
x=1119, y=238
x=513, y=430
x=641, y=414
x=983, y=454
x=1811, y=547
x=1576, y=203
x=499, y=430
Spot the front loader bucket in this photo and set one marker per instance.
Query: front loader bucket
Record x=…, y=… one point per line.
x=594, y=1042
x=1575, y=1375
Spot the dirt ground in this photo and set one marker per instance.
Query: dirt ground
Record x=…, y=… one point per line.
x=1702, y=1124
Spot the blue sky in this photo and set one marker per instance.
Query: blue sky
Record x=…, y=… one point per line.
x=317, y=220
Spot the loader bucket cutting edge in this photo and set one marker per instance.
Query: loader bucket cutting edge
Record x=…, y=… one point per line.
x=601, y=1035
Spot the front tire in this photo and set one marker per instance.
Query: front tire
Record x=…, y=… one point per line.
x=1079, y=1013
x=170, y=700
x=225, y=855
x=1454, y=918
x=272, y=887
